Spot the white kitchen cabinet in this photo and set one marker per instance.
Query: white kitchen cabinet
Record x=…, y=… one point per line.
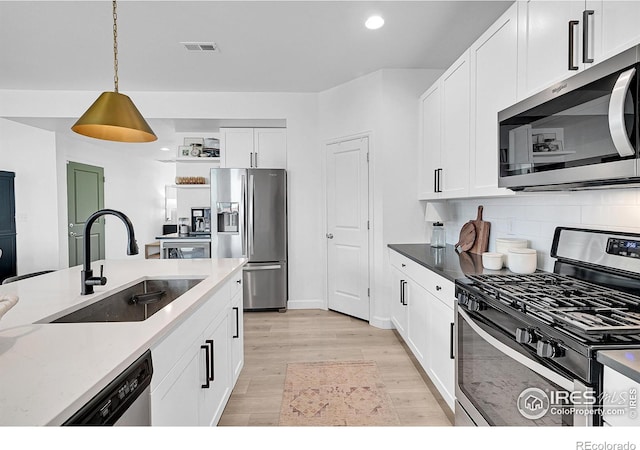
x=429, y=316
x=615, y=26
x=236, y=326
x=494, y=78
x=270, y=147
x=544, y=47
x=175, y=402
x=430, y=144
x=253, y=148
x=454, y=155
x=545, y=52
x=399, y=304
x=441, y=363
x=193, y=372
x=418, y=310
x=216, y=382
x=444, y=144
x=620, y=399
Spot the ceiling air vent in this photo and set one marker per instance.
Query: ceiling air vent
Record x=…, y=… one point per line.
x=201, y=46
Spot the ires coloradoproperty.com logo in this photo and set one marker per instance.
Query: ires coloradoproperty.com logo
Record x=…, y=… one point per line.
x=534, y=403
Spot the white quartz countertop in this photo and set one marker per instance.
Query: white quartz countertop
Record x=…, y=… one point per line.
x=49, y=370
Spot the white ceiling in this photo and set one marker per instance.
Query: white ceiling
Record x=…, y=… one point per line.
x=286, y=46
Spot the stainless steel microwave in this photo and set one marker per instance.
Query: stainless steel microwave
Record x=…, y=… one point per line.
x=579, y=133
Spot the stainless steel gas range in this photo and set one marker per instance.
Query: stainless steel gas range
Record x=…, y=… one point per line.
x=527, y=344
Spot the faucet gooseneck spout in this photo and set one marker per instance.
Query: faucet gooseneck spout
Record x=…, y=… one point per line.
x=87, y=278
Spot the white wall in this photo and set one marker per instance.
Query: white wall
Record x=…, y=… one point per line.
x=300, y=112
x=535, y=216
x=383, y=105
x=31, y=154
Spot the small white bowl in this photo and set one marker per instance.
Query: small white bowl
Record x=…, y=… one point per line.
x=492, y=261
x=522, y=260
x=504, y=244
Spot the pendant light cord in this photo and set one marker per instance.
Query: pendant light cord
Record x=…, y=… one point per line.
x=115, y=46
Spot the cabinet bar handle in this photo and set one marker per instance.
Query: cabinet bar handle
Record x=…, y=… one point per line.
x=207, y=363
x=435, y=180
x=403, y=295
x=585, y=35
x=212, y=375
x=451, y=331
x=237, y=310
x=572, y=25
x=255, y=159
x=250, y=159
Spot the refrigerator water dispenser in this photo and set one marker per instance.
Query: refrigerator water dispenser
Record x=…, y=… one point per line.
x=228, y=217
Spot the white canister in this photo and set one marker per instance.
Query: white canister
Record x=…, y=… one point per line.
x=504, y=244
x=523, y=260
x=492, y=261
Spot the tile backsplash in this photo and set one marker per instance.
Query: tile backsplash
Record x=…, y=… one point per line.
x=535, y=216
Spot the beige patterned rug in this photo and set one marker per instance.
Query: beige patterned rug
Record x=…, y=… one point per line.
x=338, y=393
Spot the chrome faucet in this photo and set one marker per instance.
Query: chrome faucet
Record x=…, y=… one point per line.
x=87, y=278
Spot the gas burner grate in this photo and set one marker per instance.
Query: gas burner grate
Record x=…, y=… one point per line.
x=566, y=301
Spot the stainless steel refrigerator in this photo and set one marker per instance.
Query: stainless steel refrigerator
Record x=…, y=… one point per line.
x=249, y=219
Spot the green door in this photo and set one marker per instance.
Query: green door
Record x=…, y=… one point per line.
x=85, y=195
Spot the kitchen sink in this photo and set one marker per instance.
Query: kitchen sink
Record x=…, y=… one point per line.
x=133, y=304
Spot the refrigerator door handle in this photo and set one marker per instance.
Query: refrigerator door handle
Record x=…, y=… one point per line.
x=269, y=267
x=244, y=202
x=252, y=187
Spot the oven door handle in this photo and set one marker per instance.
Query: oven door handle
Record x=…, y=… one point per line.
x=617, y=125
x=538, y=368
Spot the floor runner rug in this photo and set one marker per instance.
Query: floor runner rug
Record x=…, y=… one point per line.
x=336, y=393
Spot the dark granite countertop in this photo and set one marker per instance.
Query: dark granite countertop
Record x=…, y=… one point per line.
x=446, y=261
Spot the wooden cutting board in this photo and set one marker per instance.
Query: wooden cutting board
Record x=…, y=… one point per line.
x=467, y=237
x=481, y=243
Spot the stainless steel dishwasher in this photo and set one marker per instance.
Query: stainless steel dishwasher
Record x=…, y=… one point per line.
x=124, y=401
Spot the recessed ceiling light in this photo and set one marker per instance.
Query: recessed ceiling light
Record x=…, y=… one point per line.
x=374, y=22
x=165, y=149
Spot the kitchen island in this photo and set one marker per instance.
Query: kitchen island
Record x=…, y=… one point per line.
x=50, y=370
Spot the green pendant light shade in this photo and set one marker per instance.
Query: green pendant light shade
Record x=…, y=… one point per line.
x=113, y=116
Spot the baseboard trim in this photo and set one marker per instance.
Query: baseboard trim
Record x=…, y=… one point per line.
x=306, y=304
x=381, y=322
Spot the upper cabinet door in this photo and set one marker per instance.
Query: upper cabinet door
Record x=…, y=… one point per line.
x=613, y=27
x=429, y=164
x=545, y=49
x=270, y=147
x=236, y=147
x=494, y=75
x=454, y=153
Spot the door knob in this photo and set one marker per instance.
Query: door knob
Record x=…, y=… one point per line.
x=329, y=236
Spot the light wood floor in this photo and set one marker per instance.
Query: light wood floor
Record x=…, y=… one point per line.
x=273, y=339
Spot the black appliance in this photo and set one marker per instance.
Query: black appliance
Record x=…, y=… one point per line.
x=124, y=401
x=579, y=133
x=527, y=344
x=7, y=226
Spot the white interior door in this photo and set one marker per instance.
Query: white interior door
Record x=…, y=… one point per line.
x=347, y=227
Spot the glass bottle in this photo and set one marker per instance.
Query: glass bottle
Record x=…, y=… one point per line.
x=438, y=236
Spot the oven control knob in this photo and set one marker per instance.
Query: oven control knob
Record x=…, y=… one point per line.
x=549, y=349
x=475, y=304
x=526, y=336
x=463, y=298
